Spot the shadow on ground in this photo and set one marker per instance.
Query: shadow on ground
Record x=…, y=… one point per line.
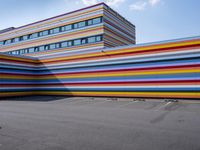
x=35, y=98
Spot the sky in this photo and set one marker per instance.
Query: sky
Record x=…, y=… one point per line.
x=155, y=20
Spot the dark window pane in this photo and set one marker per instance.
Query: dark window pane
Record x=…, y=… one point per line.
x=44, y=33
x=36, y=49
x=89, y=22
x=34, y=35
x=64, y=44
x=51, y=31
x=56, y=30
x=7, y=42
x=77, y=42
x=22, y=51
x=75, y=25
x=83, y=41
x=91, y=40
x=26, y=50
x=52, y=46
x=31, y=50
x=30, y=36
x=12, y=41
x=81, y=24
x=98, y=38
x=96, y=20
x=62, y=29
x=25, y=37
x=21, y=38
x=17, y=39
x=41, y=48
x=46, y=47
x=40, y=33
x=70, y=43
x=57, y=45
x=68, y=27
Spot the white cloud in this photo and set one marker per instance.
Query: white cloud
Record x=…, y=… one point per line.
x=154, y=2
x=89, y=2
x=108, y=2
x=138, y=5
x=114, y=2
x=141, y=5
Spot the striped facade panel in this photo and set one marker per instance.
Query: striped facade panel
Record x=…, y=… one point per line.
x=117, y=30
x=168, y=69
x=13, y=75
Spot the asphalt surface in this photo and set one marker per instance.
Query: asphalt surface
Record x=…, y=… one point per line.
x=57, y=123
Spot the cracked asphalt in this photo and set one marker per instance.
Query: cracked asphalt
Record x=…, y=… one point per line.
x=82, y=123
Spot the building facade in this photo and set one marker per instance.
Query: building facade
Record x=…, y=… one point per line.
x=93, y=27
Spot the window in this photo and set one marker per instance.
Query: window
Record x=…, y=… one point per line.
x=57, y=45
x=45, y=33
x=55, y=30
x=30, y=36
x=31, y=50
x=96, y=20
x=36, y=49
x=69, y=43
x=26, y=50
x=83, y=41
x=98, y=38
x=91, y=39
x=7, y=42
x=21, y=38
x=34, y=35
x=12, y=40
x=75, y=25
x=41, y=48
x=52, y=46
x=66, y=28
x=64, y=44
x=89, y=22
x=46, y=47
x=25, y=37
x=77, y=42
x=22, y=51
x=17, y=39
x=81, y=24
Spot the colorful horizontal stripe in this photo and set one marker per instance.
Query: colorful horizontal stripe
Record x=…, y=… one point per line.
x=162, y=70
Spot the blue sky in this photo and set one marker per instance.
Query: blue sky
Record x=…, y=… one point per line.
x=155, y=20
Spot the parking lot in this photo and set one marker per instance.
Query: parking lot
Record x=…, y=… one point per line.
x=82, y=123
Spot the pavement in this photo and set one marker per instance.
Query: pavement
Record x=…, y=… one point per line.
x=82, y=123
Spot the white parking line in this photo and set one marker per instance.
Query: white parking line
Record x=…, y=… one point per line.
x=128, y=103
x=163, y=106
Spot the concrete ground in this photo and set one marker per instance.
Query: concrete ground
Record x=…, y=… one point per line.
x=58, y=123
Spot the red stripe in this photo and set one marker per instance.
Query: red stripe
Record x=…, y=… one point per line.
x=104, y=83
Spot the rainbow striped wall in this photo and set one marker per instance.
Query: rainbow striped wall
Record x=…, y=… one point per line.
x=169, y=69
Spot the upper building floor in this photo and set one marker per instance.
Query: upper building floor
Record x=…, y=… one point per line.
x=97, y=26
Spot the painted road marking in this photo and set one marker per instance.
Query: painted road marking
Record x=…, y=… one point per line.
x=163, y=106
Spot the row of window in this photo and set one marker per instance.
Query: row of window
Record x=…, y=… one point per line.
x=54, y=30
x=76, y=42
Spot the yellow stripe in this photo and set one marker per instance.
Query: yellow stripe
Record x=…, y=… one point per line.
x=102, y=74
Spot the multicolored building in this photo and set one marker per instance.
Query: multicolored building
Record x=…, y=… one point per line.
x=95, y=58
x=93, y=27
